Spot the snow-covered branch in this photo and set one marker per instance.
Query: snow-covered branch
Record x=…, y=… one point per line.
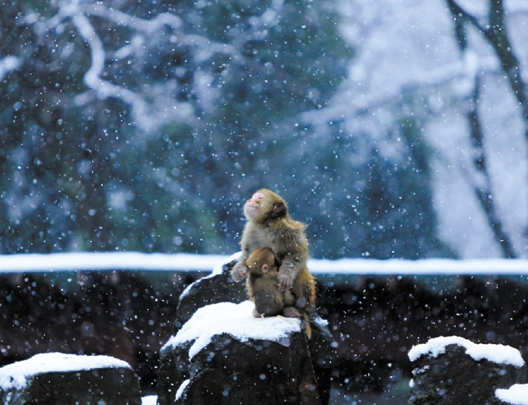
x=132, y=22
x=148, y=109
x=463, y=69
x=92, y=78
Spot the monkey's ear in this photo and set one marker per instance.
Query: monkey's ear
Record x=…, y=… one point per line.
x=264, y=268
x=279, y=209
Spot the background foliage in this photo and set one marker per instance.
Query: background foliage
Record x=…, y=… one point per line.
x=129, y=125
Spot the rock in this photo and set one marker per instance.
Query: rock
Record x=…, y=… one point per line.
x=219, y=287
x=453, y=370
x=322, y=348
x=65, y=379
x=223, y=355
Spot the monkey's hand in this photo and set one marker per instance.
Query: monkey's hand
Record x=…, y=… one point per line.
x=286, y=278
x=239, y=271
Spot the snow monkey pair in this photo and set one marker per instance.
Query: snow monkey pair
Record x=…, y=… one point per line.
x=274, y=255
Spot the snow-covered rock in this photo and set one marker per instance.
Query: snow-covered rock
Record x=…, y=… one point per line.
x=214, y=288
x=453, y=370
x=223, y=351
x=60, y=378
x=236, y=320
x=499, y=354
x=149, y=400
x=220, y=350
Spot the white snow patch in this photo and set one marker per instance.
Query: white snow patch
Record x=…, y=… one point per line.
x=492, y=352
x=218, y=270
x=188, y=288
x=320, y=322
x=15, y=375
x=236, y=320
x=181, y=389
x=149, y=400
x=418, y=267
x=75, y=261
x=219, y=267
x=517, y=394
x=420, y=370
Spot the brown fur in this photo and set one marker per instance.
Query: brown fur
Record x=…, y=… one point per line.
x=269, y=225
x=263, y=288
x=263, y=283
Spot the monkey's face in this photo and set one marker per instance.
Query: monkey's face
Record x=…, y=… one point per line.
x=256, y=206
x=258, y=269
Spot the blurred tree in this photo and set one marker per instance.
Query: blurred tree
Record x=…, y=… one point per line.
x=289, y=58
x=140, y=126
x=495, y=32
x=366, y=198
x=456, y=69
x=86, y=88
x=78, y=94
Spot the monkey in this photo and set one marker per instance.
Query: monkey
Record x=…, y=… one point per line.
x=270, y=225
x=263, y=283
x=263, y=288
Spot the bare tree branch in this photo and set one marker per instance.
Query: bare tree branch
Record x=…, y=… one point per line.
x=431, y=79
x=483, y=191
x=496, y=34
x=149, y=106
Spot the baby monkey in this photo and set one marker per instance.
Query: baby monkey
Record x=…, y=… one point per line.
x=263, y=289
x=263, y=283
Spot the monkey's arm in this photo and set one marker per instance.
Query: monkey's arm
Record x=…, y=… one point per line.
x=240, y=270
x=294, y=260
x=290, y=267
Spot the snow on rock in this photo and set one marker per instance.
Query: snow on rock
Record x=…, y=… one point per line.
x=149, y=400
x=236, y=320
x=517, y=394
x=217, y=270
x=492, y=352
x=15, y=375
x=181, y=389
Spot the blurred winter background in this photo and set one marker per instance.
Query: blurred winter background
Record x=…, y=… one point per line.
x=394, y=129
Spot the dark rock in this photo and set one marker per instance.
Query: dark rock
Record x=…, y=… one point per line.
x=253, y=372
x=455, y=377
x=323, y=354
x=209, y=290
x=54, y=378
x=235, y=370
x=220, y=287
x=172, y=372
